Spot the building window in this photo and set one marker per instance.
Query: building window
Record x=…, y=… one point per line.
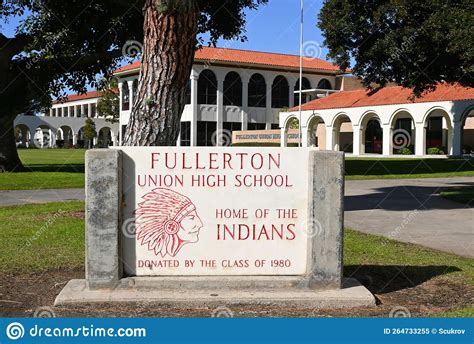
x=125, y=97
x=233, y=89
x=205, y=131
x=257, y=91
x=256, y=126
x=188, y=92
x=86, y=110
x=306, y=85
x=280, y=93
x=93, y=110
x=275, y=126
x=324, y=84
x=232, y=126
x=207, y=87
x=185, y=134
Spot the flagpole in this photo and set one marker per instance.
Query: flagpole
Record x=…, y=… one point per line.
x=301, y=74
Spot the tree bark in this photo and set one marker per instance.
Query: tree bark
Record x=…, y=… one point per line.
x=9, y=159
x=169, y=45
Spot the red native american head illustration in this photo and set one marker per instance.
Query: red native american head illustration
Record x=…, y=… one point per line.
x=166, y=221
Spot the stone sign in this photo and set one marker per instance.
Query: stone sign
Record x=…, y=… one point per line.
x=195, y=211
x=214, y=224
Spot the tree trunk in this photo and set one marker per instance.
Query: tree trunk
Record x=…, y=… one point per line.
x=169, y=45
x=9, y=159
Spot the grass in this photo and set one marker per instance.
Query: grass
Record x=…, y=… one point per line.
x=37, y=238
x=41, y=237
x=394, y=168
x=47, y=169
x=464, y=195
x=64, y=168
x=418, y=262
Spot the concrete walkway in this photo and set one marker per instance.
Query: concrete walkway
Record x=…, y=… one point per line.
x=408, y=210
x=411, y=210
x=18, y=197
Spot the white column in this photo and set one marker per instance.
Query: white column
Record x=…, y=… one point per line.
x=51, y=112
x=120, y=84
x=292, y=96
x=387, y=139
x=245, y=103
x=194, y=108
x=62, y=111
x=50, y=133
x=283, y=137
x=420, y=131
x=457, y=138
x=130, y=90
x=220, y=112
x=356, y=139
x=268, y=112
x=89, y=110
x=304, y=137
x=330, y=138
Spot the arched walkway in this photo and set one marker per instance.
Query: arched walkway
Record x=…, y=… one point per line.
x=316, y=130
x=65, y=137
x=403, y=133
x=467, y=137
x=371, y=134
x=343, y=134
x=105, y=137
x=22, y=136
x=438, y=131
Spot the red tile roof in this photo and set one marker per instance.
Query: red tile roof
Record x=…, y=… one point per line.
x=387, y=96
x=74, y=97
x=227, y=55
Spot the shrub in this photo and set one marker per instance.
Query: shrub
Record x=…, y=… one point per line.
x=433, y=150
x=466, y=149
x=405, y=151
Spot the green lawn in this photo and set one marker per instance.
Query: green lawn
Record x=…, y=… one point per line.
x=47, y=169
x=64, y=168
x=464, y=195
x=392, y=168
x=36, y=238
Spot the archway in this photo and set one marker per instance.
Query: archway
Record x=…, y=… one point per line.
x=305, y=97
x=403, y=133
x=438, y=133
x=371, y=134
x=290, y=132
x=104, y=137
x=343, y=134
x=257, y=91
x=280, y=92
x=316, y=133
x=233, y=89
x=44, y=137
x=467, y=136
x=65, y=137
x=207, y=87
x=22, y=136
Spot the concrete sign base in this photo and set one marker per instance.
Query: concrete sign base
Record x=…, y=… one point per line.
x=176, y=291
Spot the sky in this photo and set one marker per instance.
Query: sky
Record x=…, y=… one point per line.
x=275, y=27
